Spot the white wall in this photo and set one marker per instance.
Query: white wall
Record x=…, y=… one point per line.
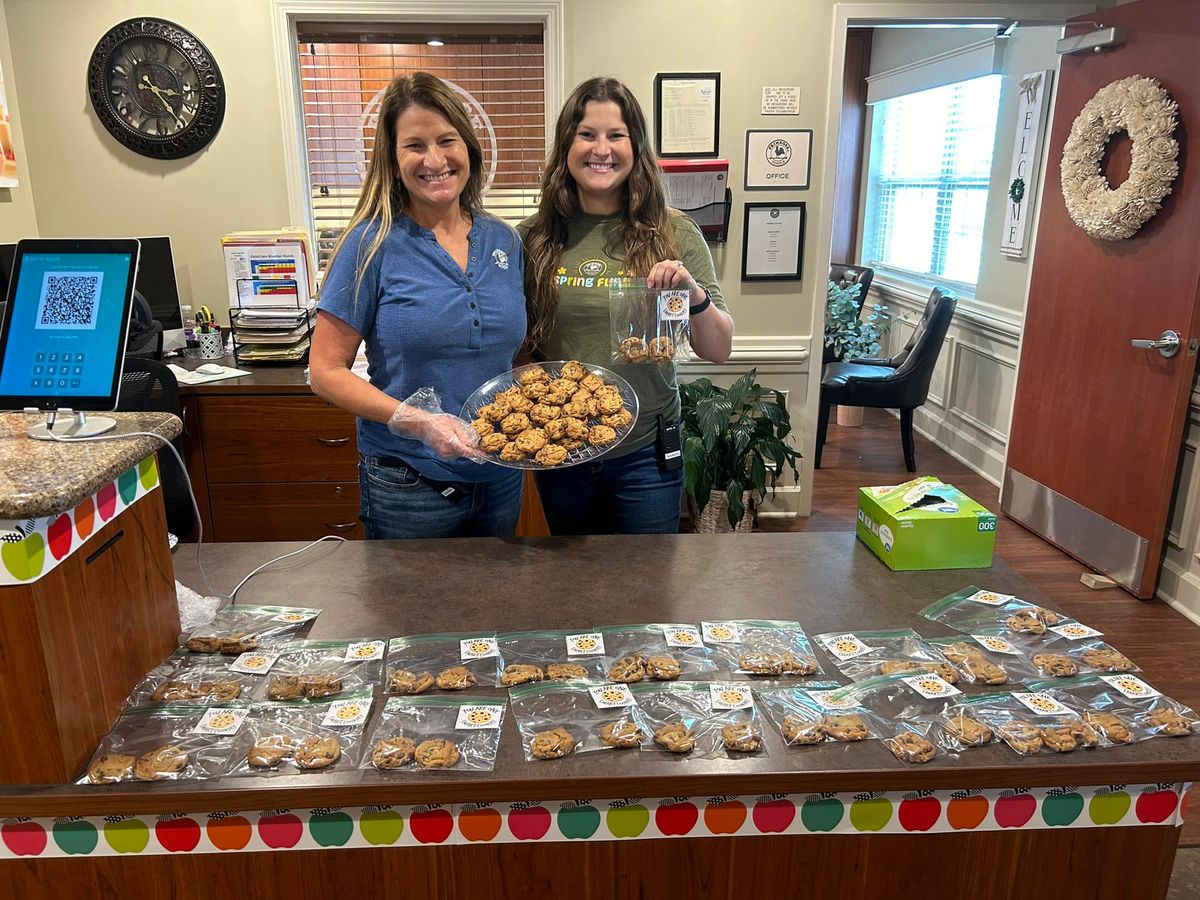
x=18, y=215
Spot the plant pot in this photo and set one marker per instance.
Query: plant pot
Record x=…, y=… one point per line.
x=849, y=416
x=714, y=519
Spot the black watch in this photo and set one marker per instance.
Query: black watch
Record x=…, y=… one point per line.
x=701, y=306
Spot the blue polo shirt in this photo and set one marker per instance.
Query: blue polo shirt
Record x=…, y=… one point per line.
x=428, y=323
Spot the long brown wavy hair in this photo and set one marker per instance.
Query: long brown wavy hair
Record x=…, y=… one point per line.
x=384, y=196
x=643, y=234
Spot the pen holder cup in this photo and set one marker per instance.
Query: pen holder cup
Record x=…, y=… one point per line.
x=212, y=345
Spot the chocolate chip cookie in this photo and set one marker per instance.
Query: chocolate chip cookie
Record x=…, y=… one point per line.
x=662, y=668
x=402, y=681
x=1110, y=726
x=677, y=738
x=797, y=730
x=967, y=730
x=911, y=747
x=552, y=744
x=1024, y=738
x=565, y=671
x=318, y=752
x=1106, y=659
x=160, y=763
x=845, y=727
x=1167, y=721
x=621, y=734
x=270, y=750
x=766, y=664
x=110, y=768
x=392, y=753
x=741, y=738
x=628, y=669
x=436, y=753
x=1055, y=664
x=456, y=678
x=520, y=673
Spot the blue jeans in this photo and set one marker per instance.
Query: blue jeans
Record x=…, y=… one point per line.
x=395, y=502
x=626, y=495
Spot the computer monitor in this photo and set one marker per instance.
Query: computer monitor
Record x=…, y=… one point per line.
x=62, y=344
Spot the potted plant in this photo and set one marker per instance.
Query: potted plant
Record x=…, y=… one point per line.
x=849, y=335
x=735, y=446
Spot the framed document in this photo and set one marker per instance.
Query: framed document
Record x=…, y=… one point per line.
x=772, y=241
x=687, y=113
x=779, y=160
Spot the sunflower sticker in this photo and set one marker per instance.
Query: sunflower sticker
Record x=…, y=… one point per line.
x=730, y=696
x=254, y=662
x=995, y=643
x=608, y=696
x=1075, y=631
x=473, y=718
x=364, y=650
x=478, y=648
x=846, y=646
x=1042, y=704
x=930, y=686
x=591, y=644
x=990, y=598
x=1131, y=686
x=682, y=636
x=348, y=712
x=721, y=632
x=221, y=721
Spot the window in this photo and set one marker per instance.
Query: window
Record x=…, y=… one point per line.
x=497, y=69
x=930, y=166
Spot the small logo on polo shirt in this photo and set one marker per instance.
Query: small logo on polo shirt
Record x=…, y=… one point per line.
x=500, y=258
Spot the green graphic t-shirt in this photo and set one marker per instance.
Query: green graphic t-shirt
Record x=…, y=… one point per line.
x=582, y=326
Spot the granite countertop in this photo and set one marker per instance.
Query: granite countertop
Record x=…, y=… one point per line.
x=42, y=478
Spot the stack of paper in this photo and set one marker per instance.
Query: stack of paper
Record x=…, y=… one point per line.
x=269, y=268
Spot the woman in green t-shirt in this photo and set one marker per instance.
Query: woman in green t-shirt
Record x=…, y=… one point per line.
x=603, y=215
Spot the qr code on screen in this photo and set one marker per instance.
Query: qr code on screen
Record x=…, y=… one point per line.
x=70, y=300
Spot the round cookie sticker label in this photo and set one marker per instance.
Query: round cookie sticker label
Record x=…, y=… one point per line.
x=478, y=648
x=364, y=650
x=608, y=696
x=990, y=598
x=846, y=646
x=472, y=718
x=348, y=712
x=1131, y=686
x=1041, y=704
x=730, y=696
x=834, y=699
x=721, y=632
x=254, y=662
x=296, y=616
x=1075, y=631
x=995, y=643
x=221, y=721
x=682, y=636
x=930, y=685
x=591, y=644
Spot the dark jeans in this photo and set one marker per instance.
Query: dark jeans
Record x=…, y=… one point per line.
x=626, y=495
x=397, y=503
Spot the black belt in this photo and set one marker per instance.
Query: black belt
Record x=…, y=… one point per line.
x=451, y=490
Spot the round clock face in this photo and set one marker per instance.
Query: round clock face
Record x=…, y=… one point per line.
x=156, y=88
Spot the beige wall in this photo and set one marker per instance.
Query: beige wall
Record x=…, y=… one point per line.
x=18, y=217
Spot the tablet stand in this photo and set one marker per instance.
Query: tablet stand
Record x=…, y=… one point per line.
x=77, y=426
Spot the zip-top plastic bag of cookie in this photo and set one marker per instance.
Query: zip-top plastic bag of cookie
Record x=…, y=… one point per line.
x=819, y=712
x=193, y=678
x=655, y=652
x=435, y=734
x=865, y=654
x=313, y=670
x=453, y=661
x=561, y=719
x=887, y=697
x=287, y=737
x=529, y=656
x=971, y=609
x=1032, y=722
x=1122, y=707
x=950, y=723
x=1087, y=655
x=648, y=326
x=761, y=648
x=991, y=656
x=704, y=720
x=175, y=742
x=238, y=629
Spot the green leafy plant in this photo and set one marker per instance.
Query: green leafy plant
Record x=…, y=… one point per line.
x=846, y=330
x=734, y=440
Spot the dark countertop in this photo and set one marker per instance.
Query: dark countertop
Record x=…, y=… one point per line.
x=828, y=581
x=42, y=478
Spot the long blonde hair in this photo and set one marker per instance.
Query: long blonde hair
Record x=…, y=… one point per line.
x=384, y=196
x=643, y=234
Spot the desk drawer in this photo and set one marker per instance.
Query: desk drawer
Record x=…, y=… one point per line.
x=284, y=512
x=277, y=439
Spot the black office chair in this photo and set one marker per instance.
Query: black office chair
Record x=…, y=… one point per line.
x=844, y=275
x=150, y=386
x=901, y=382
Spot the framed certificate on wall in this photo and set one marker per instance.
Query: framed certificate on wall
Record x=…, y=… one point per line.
x=779, y=160
x=687, y=114
x=772, y=241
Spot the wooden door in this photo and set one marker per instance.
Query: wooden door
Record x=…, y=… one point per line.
x=1098, y=425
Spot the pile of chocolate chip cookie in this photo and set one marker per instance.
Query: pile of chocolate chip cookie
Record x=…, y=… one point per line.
x=541, y=419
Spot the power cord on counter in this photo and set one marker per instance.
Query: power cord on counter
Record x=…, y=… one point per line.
x=232, y=595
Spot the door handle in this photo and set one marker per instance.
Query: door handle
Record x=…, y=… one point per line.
x=334, y=442
x=1167, y=344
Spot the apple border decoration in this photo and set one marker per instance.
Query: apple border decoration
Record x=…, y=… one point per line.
x=918, y=812
x=38, y=546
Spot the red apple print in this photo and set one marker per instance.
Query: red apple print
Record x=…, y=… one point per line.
x=177, y=835
x=1015, y=810
x=58, y=536
x=676, y=818
x=772, y=817
x=84, y=515
x=529, y=824
x=966, y=813
x=282, y=831
x=106, y=501
x=24, y=838
x=431, y=826
x=231, y=833
x=1155, y=806
x=724, y=818
x=919, y=814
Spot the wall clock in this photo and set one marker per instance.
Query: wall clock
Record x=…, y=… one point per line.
x=156, y=88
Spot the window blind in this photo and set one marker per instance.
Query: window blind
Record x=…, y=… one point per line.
x=931, y=161
x=343, y=73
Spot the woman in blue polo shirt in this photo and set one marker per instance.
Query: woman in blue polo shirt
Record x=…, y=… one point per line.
x=433, y=285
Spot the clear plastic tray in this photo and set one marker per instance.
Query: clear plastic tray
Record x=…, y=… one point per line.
x=588, y=452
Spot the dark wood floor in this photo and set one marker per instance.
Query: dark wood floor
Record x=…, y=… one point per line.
x=1164, y=643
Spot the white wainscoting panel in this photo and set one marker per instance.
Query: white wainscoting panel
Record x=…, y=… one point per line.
x=1179, y=577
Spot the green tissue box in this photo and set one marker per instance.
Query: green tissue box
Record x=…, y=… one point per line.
x=925, y=524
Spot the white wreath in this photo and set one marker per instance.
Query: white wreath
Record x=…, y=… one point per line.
x=1141, y=107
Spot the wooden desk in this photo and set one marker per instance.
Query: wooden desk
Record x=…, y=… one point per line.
x=271, y=461
x=827, y=581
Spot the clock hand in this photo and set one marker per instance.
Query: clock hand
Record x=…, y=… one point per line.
x=160, y=94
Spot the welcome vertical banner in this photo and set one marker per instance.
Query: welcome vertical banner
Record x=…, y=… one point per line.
x=1032, y=104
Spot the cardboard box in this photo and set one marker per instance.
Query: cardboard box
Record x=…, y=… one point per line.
x=925, y=524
